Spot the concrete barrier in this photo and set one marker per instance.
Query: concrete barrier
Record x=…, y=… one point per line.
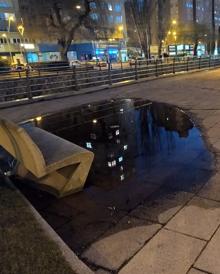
x=55, y=164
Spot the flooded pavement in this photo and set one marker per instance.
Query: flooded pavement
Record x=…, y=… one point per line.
x=149, y=161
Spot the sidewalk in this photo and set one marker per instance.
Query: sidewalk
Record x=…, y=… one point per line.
x=185, y=239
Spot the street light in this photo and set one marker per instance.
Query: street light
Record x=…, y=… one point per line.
x=121, y=28
x=78, y=7
x=21, y=31
x=174, y=22
x=4, y=35
x=10, y=19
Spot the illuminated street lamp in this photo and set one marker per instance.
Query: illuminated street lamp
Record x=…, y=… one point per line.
x=121, y=28
x=174, y=22
x=21, y=31
x=10, y=19
x=4, y=35
x=78, y=7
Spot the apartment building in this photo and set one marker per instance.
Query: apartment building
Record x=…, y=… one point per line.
x=14, y=45
x=181, y=14
x=107, y=15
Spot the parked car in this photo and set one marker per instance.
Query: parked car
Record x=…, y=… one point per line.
x=81, y=65
x=21, y=67
x=139, y=60
x=98, y=63
x=18, y=67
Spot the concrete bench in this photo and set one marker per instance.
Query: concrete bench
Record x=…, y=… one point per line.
x=55, y=164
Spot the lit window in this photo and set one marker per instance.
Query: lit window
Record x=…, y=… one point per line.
x=125, y=147
x=5, y=4
x=89, y=145
x=110, y=19
x=120, y=159
x=110, y=7
x=94, y=16
x=118, y=19
x=112, y=163
x=118, y=8
x=92, y=5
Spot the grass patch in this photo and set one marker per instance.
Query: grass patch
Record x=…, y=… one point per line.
x=24, y=247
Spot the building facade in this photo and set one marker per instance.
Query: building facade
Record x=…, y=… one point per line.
x=14, y=45
x=181, y=13
x=109, y=40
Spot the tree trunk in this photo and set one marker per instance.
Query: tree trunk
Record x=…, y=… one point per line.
x=213, y=28
x=160, y=48
x=64, y=47
x=195, y=53
x=218, y=44
x=195, y=27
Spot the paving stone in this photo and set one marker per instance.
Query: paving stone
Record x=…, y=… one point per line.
x=216, y=146
x=211, y=190
x=120, y=243
x=209, y=259
x=195, y=271
x=214, y=132
x=162, y=206
x=199, y=218
x=210, y=121
x=101, y=271
x=167, y=253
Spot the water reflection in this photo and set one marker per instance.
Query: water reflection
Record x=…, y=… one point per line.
x=143, y=152
x=128, y=137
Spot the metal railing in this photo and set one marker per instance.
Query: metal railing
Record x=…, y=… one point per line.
x=34, y=84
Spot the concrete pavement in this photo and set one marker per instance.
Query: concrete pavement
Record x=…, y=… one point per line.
x=186, y=238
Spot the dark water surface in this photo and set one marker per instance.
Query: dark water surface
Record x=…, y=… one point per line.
x=144, y=151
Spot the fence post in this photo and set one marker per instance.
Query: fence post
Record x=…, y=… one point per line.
x=75, y=78
x=109, y=74
x=187, y=64
x=121, y=65
x=136, y=71
x=156, y=68
x=200, y=62
x=174, y=71
x=28, y=87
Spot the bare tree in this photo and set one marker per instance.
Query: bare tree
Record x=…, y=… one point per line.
x=64, y=24
x=163, y=22
x=196, y=41
x=213, y=38
x=141, y=13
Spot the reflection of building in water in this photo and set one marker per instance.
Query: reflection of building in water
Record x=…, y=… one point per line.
x=127, y=136
x=171, y=119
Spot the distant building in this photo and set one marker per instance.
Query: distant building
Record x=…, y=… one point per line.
x=178, y=36
x=181, y=12
x=110, y=42
x=13, y=45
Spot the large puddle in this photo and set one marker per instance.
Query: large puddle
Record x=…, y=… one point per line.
x=144, y=152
